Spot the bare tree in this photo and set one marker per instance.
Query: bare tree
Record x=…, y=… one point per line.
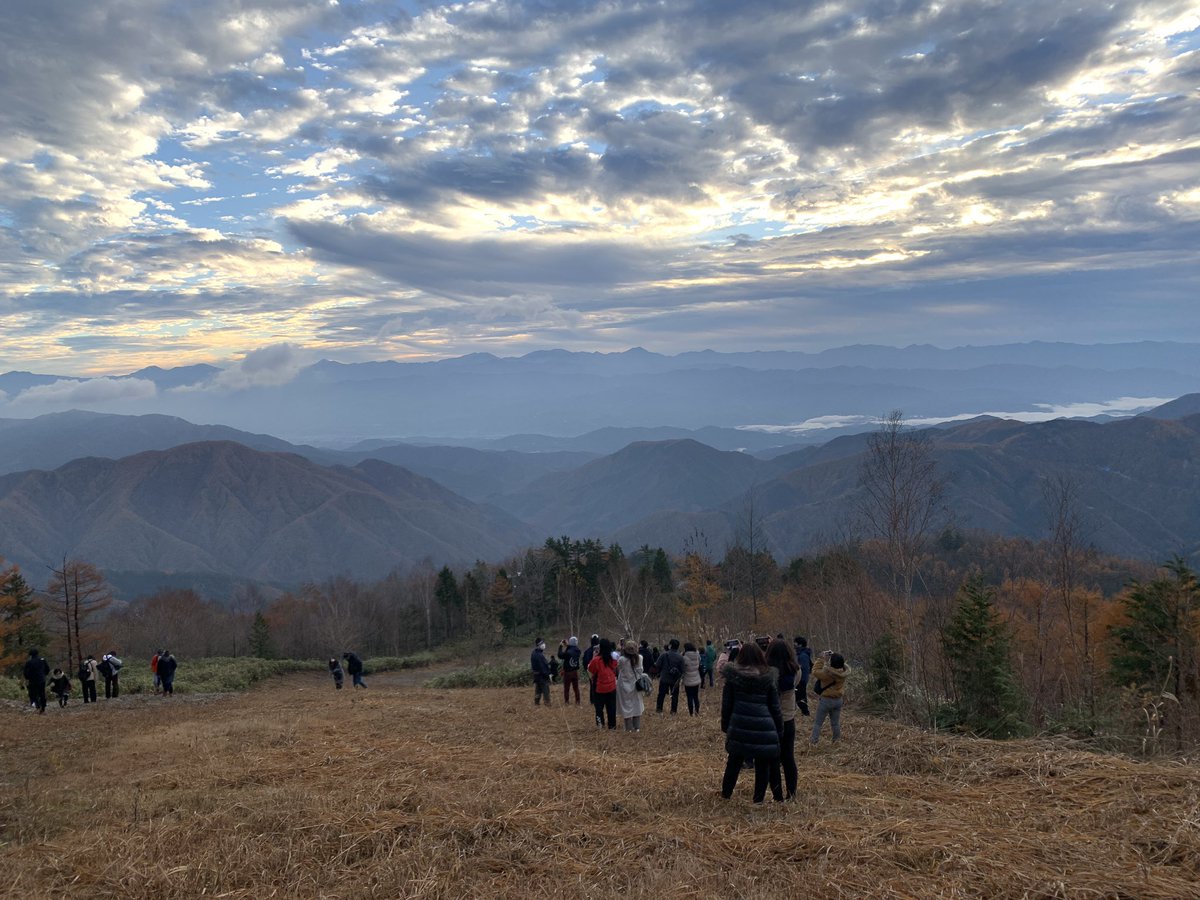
x=1069, y=551
x=76, y=592
x=628, y=597
x=744, y=556
x=902, y=498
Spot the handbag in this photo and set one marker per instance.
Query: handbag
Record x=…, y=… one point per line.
x=642, y=684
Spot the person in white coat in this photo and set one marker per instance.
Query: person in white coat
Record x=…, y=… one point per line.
x=692, y=679
x=629, y=699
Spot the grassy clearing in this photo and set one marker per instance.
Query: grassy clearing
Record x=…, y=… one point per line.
x=218, y=675
x=496, y=676
x=301, y=791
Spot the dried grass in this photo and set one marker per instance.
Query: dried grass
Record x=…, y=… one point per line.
x=297, y=791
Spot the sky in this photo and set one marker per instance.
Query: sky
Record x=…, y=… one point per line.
x=186, y=182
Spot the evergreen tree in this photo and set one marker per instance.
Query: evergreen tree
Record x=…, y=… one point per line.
x=661, y=570
x=260, y=637
x=885, y=670
x=978, y=651
x=449, y=599
x=20, y=627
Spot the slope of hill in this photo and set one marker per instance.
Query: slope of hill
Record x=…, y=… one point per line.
x=641, y=479
x=222, y=508
x=1187, y=405
x=1138, y=486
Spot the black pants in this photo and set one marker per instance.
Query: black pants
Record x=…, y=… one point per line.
x=62, y=699
x=673, y=690
x=764, y=770
x=541, y=688
x=37, y=696
x=112, y=687
x=802, y=696
x=168, y=686
x=89, y=691
x=606, y=705
x=787, y=758
x=693, y=699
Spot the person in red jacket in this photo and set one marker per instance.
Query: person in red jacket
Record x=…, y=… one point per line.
x=603, y=669
x=154, y=670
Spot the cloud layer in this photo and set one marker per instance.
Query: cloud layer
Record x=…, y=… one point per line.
x=179, y=182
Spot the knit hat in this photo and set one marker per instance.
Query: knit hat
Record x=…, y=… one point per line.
x=572, y=641
x=631, y=646
x=540, y=645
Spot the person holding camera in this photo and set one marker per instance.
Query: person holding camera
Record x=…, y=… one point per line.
x=629, y=699
x=784, y=667
x=568, y=652
x=829, y=681
x=603, y=669
x=752, y=720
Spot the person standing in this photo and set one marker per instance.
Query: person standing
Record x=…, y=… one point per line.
x=784, y=667
x=830, y=672
x=708, y=658
x=541, y=673
x=335, y=669
x=629, y=699
x=166, y=673
x=804, y=660
x=670, y=673
x=568, y=652
x=87, y=678
x=154, y=670
x=588, y=655
x=603, y=669
x=354, y=665
x=110, y=668
x=752, y=721
x=35, y=671
x=692, y=679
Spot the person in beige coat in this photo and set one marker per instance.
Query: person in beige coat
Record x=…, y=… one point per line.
x=829, y=671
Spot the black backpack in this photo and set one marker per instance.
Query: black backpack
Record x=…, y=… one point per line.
x=83, y=671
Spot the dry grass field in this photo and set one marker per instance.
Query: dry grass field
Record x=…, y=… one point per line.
x=293, y=790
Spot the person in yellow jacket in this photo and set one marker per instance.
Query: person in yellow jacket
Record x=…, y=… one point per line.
x=829, y=680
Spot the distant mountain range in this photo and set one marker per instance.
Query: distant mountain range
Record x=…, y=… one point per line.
x=220, y=509
x=223, y=508
x=753, y=401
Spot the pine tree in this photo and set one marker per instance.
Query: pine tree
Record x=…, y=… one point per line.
x=20, y=628
x=885, y=670
x=978, y=651
x=260, y=637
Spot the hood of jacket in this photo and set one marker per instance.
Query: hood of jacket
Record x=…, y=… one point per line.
x=748, y=679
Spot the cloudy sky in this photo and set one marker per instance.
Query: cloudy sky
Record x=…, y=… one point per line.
x=187, y=181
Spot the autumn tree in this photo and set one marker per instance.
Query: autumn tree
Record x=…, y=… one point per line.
x=20, y=628
x=1157, y=650
x=77, y=592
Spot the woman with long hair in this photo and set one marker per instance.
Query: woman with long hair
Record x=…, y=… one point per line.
x=752, y=721
x=783, y=664
x=603, y=669
x=629, y=701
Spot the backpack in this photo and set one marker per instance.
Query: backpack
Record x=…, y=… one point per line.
x=115, y=664
x=83, y=671
x=571, y=660
x=674, y=670
x=105, y=668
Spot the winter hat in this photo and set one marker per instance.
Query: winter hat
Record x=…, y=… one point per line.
x=631, y=646
x=595, y=639
x=572, y=641
x=540, y=645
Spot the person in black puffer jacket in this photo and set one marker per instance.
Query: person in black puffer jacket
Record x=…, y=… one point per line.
x=752, y=720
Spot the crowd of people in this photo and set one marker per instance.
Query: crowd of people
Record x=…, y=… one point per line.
x=764, y=684
x=40, y=678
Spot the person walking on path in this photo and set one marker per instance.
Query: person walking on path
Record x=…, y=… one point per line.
x=752, y=721
x=167, y=665
x=110, y=668
x=87, y=678
x=354, y=665
x=335, y=669
x=35, y=671
x=670, y=673
x=60, y=684
x=692, y=677
x=629, y=700
x=603, y=669
x=541, y=673
x=568, y=652
x=784, y=667
x=154, y=670
x=805, y=660
x=829, y=673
